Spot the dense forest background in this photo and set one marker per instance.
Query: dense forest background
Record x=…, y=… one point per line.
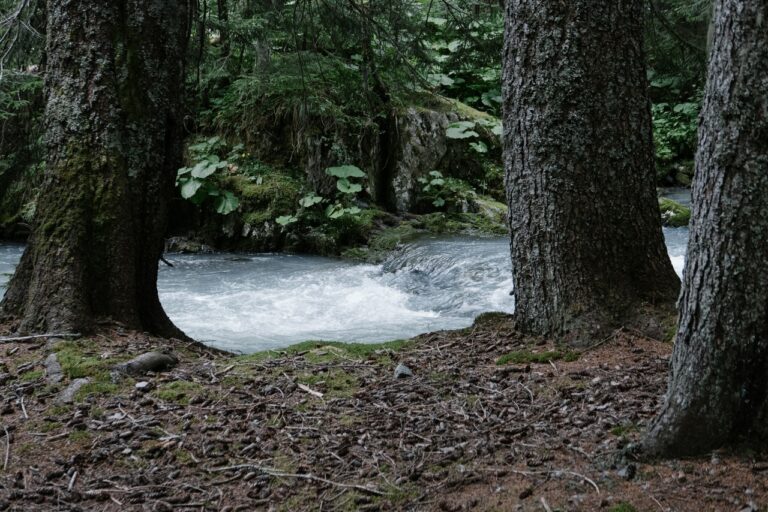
x=308, y=121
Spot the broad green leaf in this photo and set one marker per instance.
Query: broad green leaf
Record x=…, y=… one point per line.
x=334, y=211
x=345, y=171
x=190, y=187
x=480, y=146
x=203, y=170
x=345, y=186
x=460, y=133
x=226, y=203
x=284, y=220
x=439, y=202
x=310, y=200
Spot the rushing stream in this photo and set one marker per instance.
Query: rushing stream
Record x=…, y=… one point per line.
x=258, y=301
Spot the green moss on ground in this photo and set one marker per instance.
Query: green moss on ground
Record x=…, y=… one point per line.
x=527, y=357
x=77, y=361
x=674, y=214
x=329, y=351
x=623, y=507
x=179, y=391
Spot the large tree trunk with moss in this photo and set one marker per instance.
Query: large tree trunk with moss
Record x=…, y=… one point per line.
x=587, y=247
x=113, y=80
x=718, y=392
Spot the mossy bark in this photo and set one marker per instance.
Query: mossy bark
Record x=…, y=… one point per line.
x=718, y=392
x=113, y=82
x=587, y=247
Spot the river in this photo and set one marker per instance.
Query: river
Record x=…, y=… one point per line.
x=252, y=302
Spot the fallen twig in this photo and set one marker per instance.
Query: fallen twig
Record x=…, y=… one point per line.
x=38, y=336
x=310, y=390
x=7, y=448
x=304, y=476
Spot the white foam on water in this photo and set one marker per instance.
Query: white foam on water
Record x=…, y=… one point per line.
x=255, y=302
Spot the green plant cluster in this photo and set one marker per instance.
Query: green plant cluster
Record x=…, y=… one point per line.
x=202, y=180
x=445, y=193
x=675, y=134
x=335, y=207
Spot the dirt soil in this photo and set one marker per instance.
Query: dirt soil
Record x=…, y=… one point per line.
x=328, y=427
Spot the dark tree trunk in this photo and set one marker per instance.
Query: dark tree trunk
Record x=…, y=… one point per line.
x=718, y=390
x=587, y=247
x=113, y=81
x=223, y=14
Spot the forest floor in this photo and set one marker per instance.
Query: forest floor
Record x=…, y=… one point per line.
x=327, y=427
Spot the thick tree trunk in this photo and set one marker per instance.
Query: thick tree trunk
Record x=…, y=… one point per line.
x=113, y=134
x=587, y=247
x=718, y=392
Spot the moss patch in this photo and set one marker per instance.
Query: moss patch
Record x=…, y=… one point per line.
x=330, y=351
x=100, y=387
x=179, y=391
x=623, y=507
x=674, y=214
x=527, y=357
x=78, y=361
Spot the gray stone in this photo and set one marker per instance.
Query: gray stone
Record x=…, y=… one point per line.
x=53, y=372
x=148, y=362
x=68, y=395
x=143, y=386
x=402, y=372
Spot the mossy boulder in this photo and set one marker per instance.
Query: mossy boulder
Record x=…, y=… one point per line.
x=674, y=214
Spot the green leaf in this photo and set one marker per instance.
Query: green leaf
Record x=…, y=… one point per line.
x=334, y=211
x=200, y=146
x=310, y=200
x=460, y=133
x=183, y=171
x=437, y=182
x=345, y=171
x=190, y=187
x=352, y=210
x=480, y=147
x=226, y=203
x=439, y=202
x=345, y=186
x=284, y=220
x=203, y=169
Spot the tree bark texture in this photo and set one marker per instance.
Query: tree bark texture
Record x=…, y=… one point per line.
x=587, y=248
x=718, y=389
x=114, y=79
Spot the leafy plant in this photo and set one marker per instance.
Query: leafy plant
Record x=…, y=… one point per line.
x=198, y=182
x=444, y=192
x=336, y=207
x=674, y=132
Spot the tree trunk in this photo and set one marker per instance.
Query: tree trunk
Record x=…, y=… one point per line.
x=718, y=393
x=113, y=81
x=587, y=247
x=222, y=11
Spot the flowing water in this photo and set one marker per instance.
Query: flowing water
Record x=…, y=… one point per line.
x=251, y=302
